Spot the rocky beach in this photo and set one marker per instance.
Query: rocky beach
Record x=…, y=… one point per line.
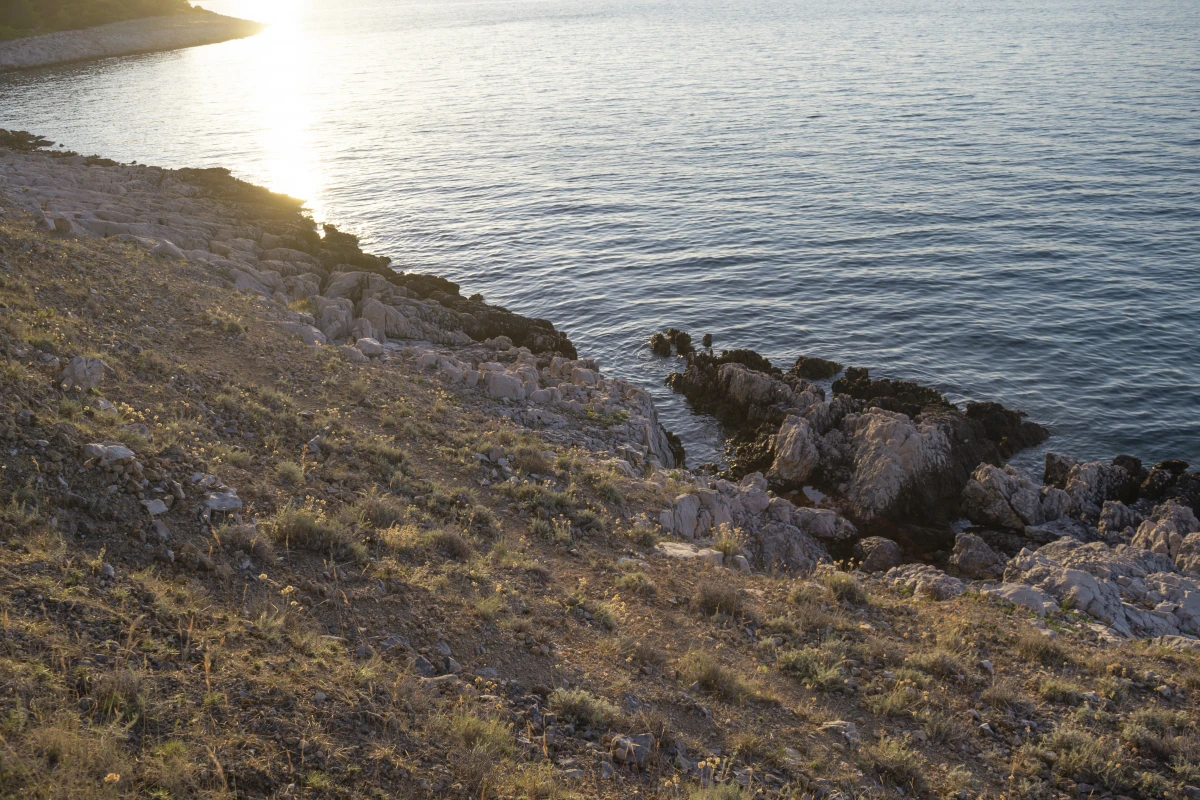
x=363, y=532
x=146, y=35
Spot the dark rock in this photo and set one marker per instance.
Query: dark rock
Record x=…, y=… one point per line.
x=815, y=369
x=1128, y=491
x=1175, y=466
x=747, y=358
x=905, y=397
x=878, y=554
x=1187, y=491
x=707, y=341
x=974, y=560
x=1058, y=467
x=1156, y=483
x=675, y=444
x=1009, y=429
x=681, y=340
x=660, y=345
x=482, y=321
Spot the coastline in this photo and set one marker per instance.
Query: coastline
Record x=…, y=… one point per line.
x=132, y=37
x=339, y=492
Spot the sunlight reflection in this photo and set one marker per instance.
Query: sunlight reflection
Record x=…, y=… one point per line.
x=280, y=82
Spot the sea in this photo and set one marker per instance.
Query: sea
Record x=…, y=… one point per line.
x=998, y=199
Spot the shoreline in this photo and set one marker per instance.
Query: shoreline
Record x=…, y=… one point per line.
x=131, y=37
x=334, y=491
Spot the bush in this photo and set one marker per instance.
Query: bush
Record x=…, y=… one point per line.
x=583, y=708
x=638, y=583
x=1039, y=649
x=702, y=669
x=290, y=473
x=845, y=588
x=719, y=598
x=307, y=528
x=812, y=667
x=893, y=761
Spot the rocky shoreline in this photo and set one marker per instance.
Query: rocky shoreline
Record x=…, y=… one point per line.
x=147, y=35
x=907, y=484
x=305, y=520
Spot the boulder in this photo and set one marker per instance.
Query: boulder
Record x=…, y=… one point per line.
x=369, y=347
x=974, y=560
x=83, y=373
x=1117, y=518
x=1186, y=490
x=307, y=333
x=781, y=547
x=352, y=354
x=504, y=386
x=168, y=250
x=822, y=523
x=1022, y=594
x=1164, y=532
x=107, y=452
x=797, y=454
x=925, y=581
x=1057, y=468
x=632, y=749
x=878, y=554
x=1188, y=556
x=1004, y=498
x=1090, y=484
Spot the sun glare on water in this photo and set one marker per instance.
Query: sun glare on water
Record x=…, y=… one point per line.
x=279, y=80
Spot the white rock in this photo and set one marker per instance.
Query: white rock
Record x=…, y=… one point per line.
x=84, y=373
x=796, y=450
x=1022, y=594
x=369, y=347
x=223, y=501
x=351, y=354
x=502, y=385
x=1164, y=532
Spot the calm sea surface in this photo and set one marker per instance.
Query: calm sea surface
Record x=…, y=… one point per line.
x=1001, y=199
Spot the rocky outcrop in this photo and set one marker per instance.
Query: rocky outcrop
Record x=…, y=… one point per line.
x=1091, y=484
x=258, y=242
x=1134, y=591
x=776, y=534
x=1165, y=530
x=1022, y=594
x=974, y=560
x=877, y=554
x=1003, y=498
x=1118, y=520
x=741, y=394
x=926, y=582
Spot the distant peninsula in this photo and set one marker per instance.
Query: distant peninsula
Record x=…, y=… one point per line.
x=146, y=35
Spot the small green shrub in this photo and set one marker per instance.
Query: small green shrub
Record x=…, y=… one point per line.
x=583, y=708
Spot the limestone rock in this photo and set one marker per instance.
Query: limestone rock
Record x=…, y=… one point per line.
x=797, y=452
x=84, y=373
x=925, y=581
x=369, y=347
x=1116, y=518
x=1003, y=498
x=1022, y=594
x=878, y=554
x=1188, y=557
x=1164, y=532
x=1090, y=484
x=973, y=559
x=1058, y=467
x=352, y=354
x=307, y=333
